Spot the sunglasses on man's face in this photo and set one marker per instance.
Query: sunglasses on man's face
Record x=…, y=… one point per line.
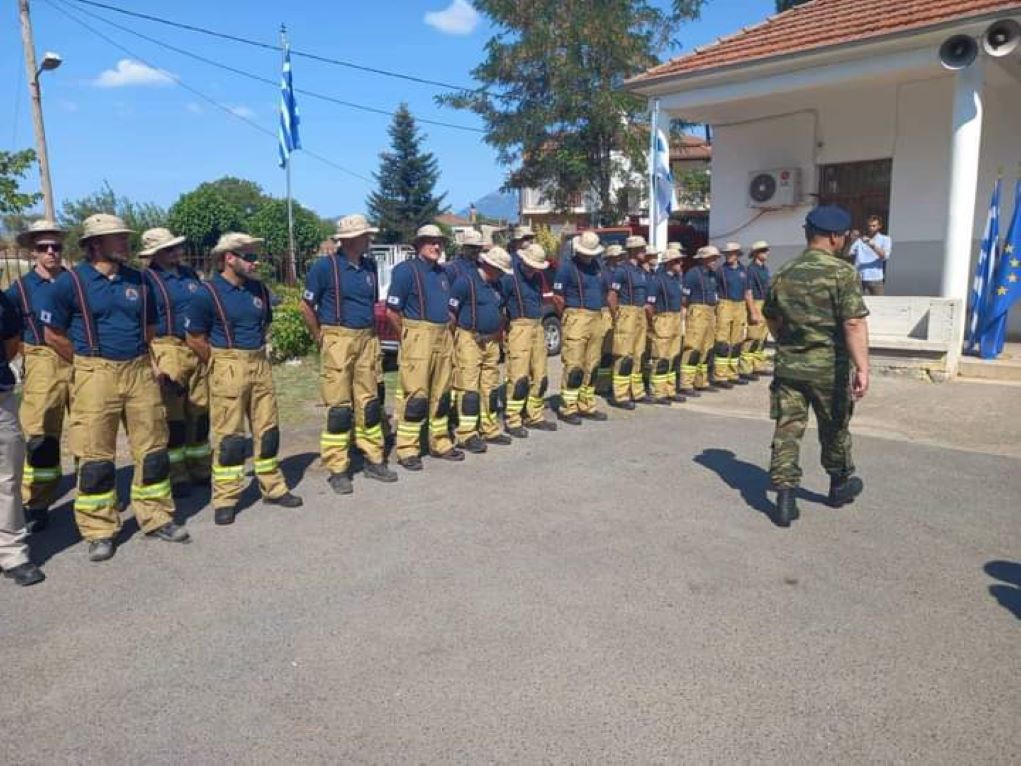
x=247, y=257
x=44, y=247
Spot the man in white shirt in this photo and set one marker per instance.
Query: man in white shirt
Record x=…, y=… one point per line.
x=870, y=255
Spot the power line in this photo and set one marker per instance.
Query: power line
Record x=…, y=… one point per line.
x=267, y=81
x=267, y=46
x=209, y=99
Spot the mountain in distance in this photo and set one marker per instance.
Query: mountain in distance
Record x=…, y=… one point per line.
x=497, y=204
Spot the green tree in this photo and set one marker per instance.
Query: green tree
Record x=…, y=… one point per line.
x=13, y=167
x=786, y=5
x=551, y=98
x=270, y=223
x=202, y=215
x=406, y=198
x=138, y=216
x=247, y=196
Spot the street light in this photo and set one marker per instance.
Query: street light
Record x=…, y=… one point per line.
x=51, y=61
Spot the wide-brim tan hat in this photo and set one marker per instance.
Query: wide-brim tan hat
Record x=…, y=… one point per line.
x=351, y=226
x=758, y=247
x=672, y=254
x=731, y=247
x=588, y=243
x=154, y=240
x=42, y=226
x=635, y=242
x=236, y=242
x=101, y=225
x=706, y=253
x=472, y=238
x=498, y=258
x=613, y=251
x=651, y=251
x=430, y=231
x=534, y=256
x=521, y=232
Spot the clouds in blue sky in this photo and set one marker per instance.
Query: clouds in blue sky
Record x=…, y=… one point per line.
x=458, y=18
x=129, y=72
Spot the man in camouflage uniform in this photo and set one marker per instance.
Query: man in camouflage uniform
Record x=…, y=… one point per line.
x=816, y=313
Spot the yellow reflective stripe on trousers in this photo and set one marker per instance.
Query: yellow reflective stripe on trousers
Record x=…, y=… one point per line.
x=177, y=455
x=158, y=491
x=228, y=472
x=103, y=500
x=535, y=401
x=515, y=405
x=326, y=439
x=570, y=396
x=266, y=465
x=376, y=432
x=197, y=451
x=439, y=425
x=40, y=475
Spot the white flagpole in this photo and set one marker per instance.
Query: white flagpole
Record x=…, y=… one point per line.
x=292, y=266
x=653, y=128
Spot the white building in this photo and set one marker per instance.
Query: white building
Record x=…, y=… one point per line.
x=851, y=96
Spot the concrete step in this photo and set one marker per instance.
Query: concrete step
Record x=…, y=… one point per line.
x=1006, y=367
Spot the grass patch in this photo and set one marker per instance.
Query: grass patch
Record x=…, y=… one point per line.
x=298, y=396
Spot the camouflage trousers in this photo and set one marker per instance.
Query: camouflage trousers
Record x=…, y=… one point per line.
x=789, y=406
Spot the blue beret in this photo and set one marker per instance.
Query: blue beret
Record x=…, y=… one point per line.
x=829, y=218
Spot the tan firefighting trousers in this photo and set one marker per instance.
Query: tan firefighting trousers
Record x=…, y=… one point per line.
x=666, y=346
x=349, y=383
x=240, y=390
x=104, y=394
x=753, y=350
x=476, y=384
x=423, y=394
x=731, y=320
x=699, y=331
x=629, y=335
x=187, y=403
x=526, y=372
x=604, y=379
x=582, y=349
x=45, y=398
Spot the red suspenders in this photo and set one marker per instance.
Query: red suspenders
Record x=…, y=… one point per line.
x=218, y=305
x=335, y=267
x=90, y=328
x=166, y=299
x=471, y=289
x=27, y=308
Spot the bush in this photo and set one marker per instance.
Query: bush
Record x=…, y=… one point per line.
x=289, y=338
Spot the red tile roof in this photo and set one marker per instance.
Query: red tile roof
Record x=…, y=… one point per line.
x=822, y=23
x=690, y=147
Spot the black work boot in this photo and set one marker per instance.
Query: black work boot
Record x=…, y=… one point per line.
x=844, y=489
x=688, y=393
x=594, y=415
x=224, y=516
x=25, y=574
x=500, y=439
x=101, y=550
x=742, y=380
x=542, y=425
x=724, y=384
x=36, y=519
x=786, y=507
x=286, y=500
x=170, y=533
x=379, y=472
x=518, y=432
x=627, y=404
x=660, y=400
x=680, y=398
x=571, y=418
x=413, y=463
x=475, y=445
x=340, y=483
x=453, y=455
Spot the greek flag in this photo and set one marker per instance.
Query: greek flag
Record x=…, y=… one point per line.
x=289, y=120
x=984, y=270
x=1005, y=289
x=665, y=194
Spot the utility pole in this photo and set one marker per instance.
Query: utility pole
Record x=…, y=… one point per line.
x=32, y=71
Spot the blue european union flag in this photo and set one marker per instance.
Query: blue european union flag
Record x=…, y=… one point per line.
x=1006, y=286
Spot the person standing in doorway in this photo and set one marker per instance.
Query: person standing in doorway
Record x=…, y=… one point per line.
x=871, y=253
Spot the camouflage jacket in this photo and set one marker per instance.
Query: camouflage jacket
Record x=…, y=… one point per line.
x=812, y=296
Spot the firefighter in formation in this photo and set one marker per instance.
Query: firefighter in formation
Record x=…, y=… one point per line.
x=181, y=361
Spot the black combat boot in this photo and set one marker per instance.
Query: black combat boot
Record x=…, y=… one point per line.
x=25, y=574
x=786, y=507
x=225, y=515
x=844, y=489
x=571, y=418
x=518, y=432
x=286, y=500
x=596, y=415
x=474, y=445
x=340, y=483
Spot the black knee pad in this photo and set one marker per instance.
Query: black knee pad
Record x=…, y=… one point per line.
x=575, y=377
x=494, y=401
x=373, y=413
x=606, y=361
x=662, y=366
x=269, y=445
x=232, y=450
x=721, y=349
x=416, y=410
x=627, y=364
x=338, y=420
x=593, y=374
x=543, y=385
x=178, y=430
x=443, y=406
x=471, y=403
x=96, y=477
x=202, y=428
x=695, y=358
x=155, y=467
x=42, y=452
x=520, y=389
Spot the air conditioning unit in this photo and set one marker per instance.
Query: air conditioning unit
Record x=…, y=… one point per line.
x=774, y=188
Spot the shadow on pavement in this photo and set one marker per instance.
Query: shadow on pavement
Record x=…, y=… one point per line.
x=749, y=479
x=1009, y=595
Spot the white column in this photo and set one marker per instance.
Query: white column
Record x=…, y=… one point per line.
x=965, y=149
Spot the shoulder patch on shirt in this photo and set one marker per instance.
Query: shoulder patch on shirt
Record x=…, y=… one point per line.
x=131, y=293
x=393, y=300
x=46, y=316
x=309, y=295
x=257, y=302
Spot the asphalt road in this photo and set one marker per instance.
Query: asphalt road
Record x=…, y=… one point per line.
x=607, y=593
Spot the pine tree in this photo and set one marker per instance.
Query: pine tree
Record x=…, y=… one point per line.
x=406, y=198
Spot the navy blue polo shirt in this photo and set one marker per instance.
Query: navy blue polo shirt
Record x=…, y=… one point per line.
x=476, y=304
x=458, y=268
x=733, y=282
x=665, y=292
x=630, y=282
x=580, y=283
x=522, y=294
x=409, y=280
x=28, y=293
x=358, y=286
x=758, y=280
x=116, y=305
x=248, y=310
x=699, y=286
x=172, y=290
x=11, y=326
